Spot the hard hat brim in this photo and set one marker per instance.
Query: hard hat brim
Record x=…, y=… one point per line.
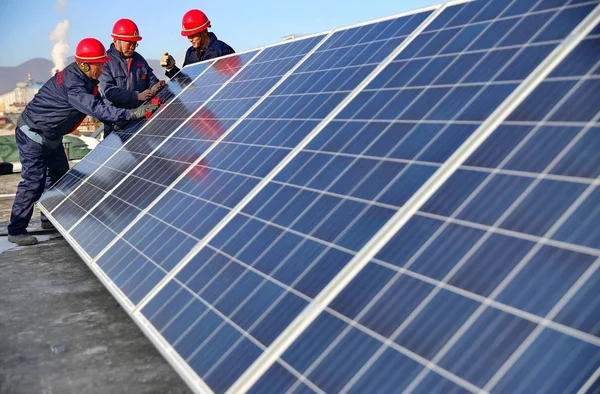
x=191, y=32
x=100, y=59
x=126, y=38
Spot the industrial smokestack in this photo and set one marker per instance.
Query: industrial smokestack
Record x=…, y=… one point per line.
x=61, y=48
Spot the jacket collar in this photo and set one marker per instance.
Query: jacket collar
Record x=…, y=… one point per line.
x=113, y=52
x=213, y=42
x=212, y=46
x=75, y=71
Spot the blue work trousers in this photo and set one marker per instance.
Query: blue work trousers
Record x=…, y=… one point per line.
x=41, y=168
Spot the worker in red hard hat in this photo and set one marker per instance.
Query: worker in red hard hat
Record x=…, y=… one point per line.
x=205, y=45
x=127, y=80
x=56, y=110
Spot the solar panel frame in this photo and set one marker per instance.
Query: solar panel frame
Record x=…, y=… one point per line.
x=261, y=365
x=181, y=367
x=420, y=197
x=164, y=348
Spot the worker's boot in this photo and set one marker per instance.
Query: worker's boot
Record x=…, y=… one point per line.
x=48, y=226
x=23, y=239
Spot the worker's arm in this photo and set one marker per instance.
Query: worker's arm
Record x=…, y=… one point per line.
x=171, y=73
x=87, y=103
x=120, y=97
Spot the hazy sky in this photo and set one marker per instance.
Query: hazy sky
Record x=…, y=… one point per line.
x=25, y=25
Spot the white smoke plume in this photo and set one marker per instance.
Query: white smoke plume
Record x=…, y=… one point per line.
x=61, y=5
x=61, y=48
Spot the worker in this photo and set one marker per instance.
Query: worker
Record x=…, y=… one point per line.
x=205, y=45
x=58, y=109
x=127, y=80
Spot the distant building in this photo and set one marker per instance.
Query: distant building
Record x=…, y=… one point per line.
x=15, y=101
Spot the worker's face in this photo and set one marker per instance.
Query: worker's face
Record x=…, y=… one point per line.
x=199, y=40
x=96, y=70
x=127, y=48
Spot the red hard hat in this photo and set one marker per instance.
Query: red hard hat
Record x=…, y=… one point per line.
x=126, y=30
x=90, y=50
x=194, y=21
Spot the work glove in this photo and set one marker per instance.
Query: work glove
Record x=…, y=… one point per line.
x=140, y=112
x=167, y=61
x=145, y=95
x=157, y=87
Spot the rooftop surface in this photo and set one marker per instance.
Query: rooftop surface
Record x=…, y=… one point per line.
x=49, y=297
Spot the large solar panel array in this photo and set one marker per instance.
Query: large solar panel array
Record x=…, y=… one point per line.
x=403, y=205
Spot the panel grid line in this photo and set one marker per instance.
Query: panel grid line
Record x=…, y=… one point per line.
x=267, y=223
x=427, y=121
x=495, y=119
x=191, y=166
x=498, y=73
x=516, y=16
x=590, y=382
x=588, y=24
x=570, y=331
x=542, y=326
x=222, y=86
x=144, y=126
x=514, y=234
x=259, y=367
x=171, y=356
x=232, y=213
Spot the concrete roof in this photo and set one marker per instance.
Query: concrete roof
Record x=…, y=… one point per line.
x=48, y=297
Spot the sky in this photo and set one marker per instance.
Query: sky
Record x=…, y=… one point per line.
x=25, y=25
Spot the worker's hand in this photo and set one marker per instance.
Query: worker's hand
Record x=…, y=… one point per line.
x=140, y=112
x=157, y=87
x=167, y=61
x=145, y=95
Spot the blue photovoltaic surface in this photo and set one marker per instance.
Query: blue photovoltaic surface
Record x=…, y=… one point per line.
x=434, y=275
x=99, y=221
x=258, y=273
x=491, y=286
x=135, y=262
x=115, y=160
x=93, y=160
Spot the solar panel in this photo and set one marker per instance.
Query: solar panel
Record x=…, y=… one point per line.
x=91, y=162
x=406, y=204
x=383, y=314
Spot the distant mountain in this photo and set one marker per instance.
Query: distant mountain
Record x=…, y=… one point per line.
x=38, y=67
x=40, y=70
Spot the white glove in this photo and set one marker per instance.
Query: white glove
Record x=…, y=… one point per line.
x=167, y=61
